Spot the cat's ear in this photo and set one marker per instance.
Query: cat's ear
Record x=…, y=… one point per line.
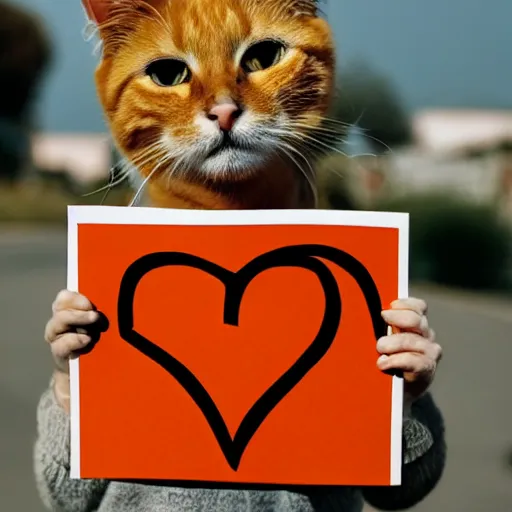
x=97, y=10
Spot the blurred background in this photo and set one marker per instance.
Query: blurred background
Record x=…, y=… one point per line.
x=425, y=90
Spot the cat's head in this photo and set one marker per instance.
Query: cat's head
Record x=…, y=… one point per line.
x=213, y=88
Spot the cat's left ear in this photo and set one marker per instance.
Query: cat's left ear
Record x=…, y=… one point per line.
x=97, y=10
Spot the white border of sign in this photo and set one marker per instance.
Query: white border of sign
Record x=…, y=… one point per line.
x=158, y=216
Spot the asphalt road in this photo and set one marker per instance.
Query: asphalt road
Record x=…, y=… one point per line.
x=472, y=385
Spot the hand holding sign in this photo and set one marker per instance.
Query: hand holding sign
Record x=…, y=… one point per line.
x=72, y=331
x=412, y=348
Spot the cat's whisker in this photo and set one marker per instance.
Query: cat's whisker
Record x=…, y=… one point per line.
x=329, y=133
x=151, y=153
x=90, y=31
x=358, y=155
x=137, y=195
x=306, y=160
x=288, y=150
x=355, y=125
x=111, y=184
x=175, y=167
x=283, y=137
x=297, y=139
x=339, y=122
x=301, y=138
x=288, y=144
x=318, y=143
x=123, y=175
x=125, y=170
x=331, y=120
x=323, y=121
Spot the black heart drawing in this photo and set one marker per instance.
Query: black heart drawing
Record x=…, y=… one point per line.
x=301, y=256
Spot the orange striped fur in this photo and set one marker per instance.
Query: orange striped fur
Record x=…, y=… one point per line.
x=166, y=132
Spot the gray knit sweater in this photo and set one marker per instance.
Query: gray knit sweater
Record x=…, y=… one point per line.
x=424, y=458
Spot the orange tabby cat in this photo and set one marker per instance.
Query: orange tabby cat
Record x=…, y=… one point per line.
x=216, y=102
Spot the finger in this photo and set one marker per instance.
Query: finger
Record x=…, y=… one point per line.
x=69, y=343
x=409, y=362
x=407, y=320
x=418, y=305
x=71, y=300
x=65, y=320
x=403, y=342
x=435, y=351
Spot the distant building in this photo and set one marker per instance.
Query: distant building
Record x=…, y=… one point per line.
x=462, y=152
x=462, y=130
x=85, y=157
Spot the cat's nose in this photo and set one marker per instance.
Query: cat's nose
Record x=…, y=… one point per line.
x=225, y=114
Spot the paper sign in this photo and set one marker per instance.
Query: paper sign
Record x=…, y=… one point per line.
x=241, y=346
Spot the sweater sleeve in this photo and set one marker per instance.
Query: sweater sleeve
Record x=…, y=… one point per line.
x=52, y=463
x=424, y=459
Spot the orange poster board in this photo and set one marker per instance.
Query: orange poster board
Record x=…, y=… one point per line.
x=240, y=348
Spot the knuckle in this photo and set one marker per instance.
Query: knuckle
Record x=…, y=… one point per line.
x=413, y=342
x=59, y=322
x=59, y=350
x=67, y=299
x=83, y=340
x=423, y=324
x=48, y=325
x=82, y=303
x=59, y=315
x=50, y=331
x=418, y=361
x=48, y=335
x=418, y=305
x=73, y=317
x=401, y=341
x=384, y=344
x=70, y=316
x=430, y=367
x=408, y=358
x=398, y=303
x=418, y=366
x=64, y=296
x=66, y=344
x=411, y=319
x=422, y=305
x=87, y=317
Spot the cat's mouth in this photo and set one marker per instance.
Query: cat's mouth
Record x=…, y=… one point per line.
x=233, y=154
x=225, y=144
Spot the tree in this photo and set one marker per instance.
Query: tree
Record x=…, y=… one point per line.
x=25, y=53
x=367, y=99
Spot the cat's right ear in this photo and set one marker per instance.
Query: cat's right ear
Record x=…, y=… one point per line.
x=97, y=10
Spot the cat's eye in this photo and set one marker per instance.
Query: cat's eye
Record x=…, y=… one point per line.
x=262, y=55
x=168, y=72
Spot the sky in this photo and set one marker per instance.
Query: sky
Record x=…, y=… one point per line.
x=437, y=53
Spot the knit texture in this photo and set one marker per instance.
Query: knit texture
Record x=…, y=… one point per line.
x=424, y=457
